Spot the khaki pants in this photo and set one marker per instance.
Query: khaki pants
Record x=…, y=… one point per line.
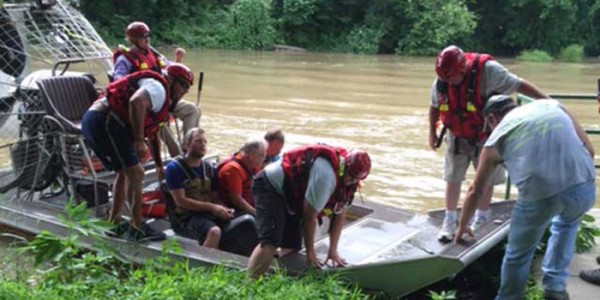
x=189, y=114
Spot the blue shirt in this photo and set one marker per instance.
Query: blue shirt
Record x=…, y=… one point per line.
x=176, y=177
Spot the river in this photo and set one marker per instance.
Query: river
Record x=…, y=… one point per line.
x=377, y=103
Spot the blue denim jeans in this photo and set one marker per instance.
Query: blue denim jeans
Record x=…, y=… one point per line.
x=529, y=220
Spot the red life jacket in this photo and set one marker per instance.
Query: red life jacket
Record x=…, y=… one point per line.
x=140, y=61
x=119, y=92
x=296, y=166
x=247, y=184
x=461, y=107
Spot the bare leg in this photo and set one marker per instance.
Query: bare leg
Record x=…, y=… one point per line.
x=188, y=113
x=260, y=260
x=118, y=197
x=452, y=195
x=169, y=138
x=213, y=237
x=135, y=175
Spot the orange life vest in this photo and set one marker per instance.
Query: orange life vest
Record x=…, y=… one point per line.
x=246, y=184
x=150, y=60
x=461, y=106
x=118, y=94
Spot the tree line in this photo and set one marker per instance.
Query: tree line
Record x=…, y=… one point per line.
x=406, y=27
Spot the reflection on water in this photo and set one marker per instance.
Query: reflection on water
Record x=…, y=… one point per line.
x=378, y=103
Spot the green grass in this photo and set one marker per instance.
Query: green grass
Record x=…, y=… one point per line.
x=58, y=269
x=181, y=282
x=534, y=56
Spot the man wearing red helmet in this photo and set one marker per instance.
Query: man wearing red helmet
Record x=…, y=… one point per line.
x=290, y=194
x=143, y=57
x=458, y=95
x=117, y=125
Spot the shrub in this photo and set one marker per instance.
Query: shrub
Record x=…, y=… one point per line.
x=572, y=53
x=434, y=25
x=364, y=40
x=534, y=56
x=251, y=25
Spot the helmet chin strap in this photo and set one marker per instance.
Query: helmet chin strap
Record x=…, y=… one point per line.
x=172, y=88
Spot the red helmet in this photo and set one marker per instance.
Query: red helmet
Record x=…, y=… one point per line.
x=181, y=72
x=450, y=62
x=137, y=29
x=358, y=164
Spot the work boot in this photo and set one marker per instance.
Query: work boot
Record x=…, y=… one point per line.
x=591, y=276
x=477, y=223
x=554, y=295
x=446, y=233
x=145, y=234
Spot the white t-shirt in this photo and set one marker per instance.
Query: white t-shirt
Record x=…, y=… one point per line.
x=541, y=150
x=321, y=181
x=155, y=90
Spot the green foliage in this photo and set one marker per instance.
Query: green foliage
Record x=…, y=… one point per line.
x=435, y=24
x=251, y=25
x=297, y=12
x=377, y=26
x=535, y=56
x=444, y=295
x=572, y=53
x=364, y=40
x=62, y=258
x=586, y=234
x=72, y=273
x=533, y=291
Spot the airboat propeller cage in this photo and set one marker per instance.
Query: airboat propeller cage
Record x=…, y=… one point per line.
x=12, y=55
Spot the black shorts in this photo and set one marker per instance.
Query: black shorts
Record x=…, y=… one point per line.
x=196, y=225
x=276, y=226
x=110, y=138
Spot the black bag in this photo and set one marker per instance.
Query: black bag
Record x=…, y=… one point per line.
x=84, y=191
x=240, y=235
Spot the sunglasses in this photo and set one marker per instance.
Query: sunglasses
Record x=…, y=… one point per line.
x=184, y=84
x=145, y=35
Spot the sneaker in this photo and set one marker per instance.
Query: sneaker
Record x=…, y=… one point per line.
x=598, y=260
x=146, y=234
x=554, y=295
x=446, y=233
x=478, y=223
x=591, y=276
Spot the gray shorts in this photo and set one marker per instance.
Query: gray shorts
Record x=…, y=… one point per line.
x=456, y=164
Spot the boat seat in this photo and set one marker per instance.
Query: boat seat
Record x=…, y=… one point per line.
x=66, y=99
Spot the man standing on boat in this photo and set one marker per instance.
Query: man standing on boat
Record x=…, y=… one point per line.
x=457, y=99
x=143, y=57
x=550, y=159
x=292, y=193
x=116, y=128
